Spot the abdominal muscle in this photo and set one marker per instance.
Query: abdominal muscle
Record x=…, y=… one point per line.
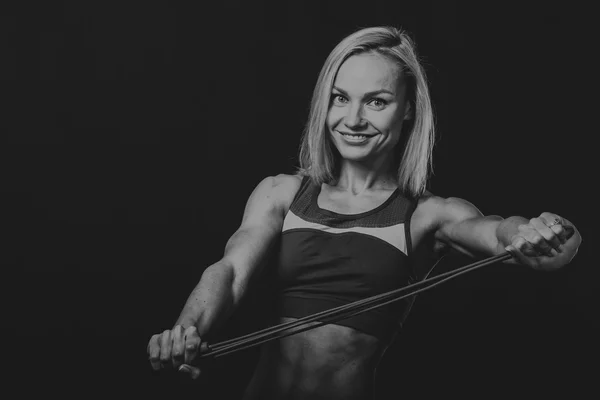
x=329, y=362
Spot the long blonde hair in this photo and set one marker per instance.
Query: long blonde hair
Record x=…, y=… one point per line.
x=317, y=156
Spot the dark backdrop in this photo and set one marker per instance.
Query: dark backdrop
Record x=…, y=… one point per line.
x=134, y=133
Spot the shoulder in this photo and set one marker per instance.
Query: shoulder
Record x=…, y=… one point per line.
x=271, y=199
x=287, y=182
x=282, y=188
x=286, y=185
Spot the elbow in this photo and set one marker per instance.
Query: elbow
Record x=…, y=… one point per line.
x=239, y=287
x=235, y=283
x=220, y=278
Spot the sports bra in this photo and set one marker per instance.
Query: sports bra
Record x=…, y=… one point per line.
x=327, y=259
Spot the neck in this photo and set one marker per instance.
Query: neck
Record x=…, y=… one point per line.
x=359, y=178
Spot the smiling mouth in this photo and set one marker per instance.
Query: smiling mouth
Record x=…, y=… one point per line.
x=357, y=135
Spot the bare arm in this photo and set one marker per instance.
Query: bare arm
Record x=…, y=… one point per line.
x=462, y=227
x=535, y=242
x=223, y=284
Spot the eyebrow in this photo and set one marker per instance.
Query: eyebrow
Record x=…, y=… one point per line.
x=368, y=94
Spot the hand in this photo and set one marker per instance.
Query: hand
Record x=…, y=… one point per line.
x=175, y=349
x=547, y=242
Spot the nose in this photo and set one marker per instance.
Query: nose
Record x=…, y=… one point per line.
x=354, y=119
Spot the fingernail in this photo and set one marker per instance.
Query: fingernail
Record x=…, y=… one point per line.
x=184, y=368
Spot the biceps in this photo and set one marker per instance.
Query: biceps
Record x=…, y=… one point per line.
x=246, y=252
x=260, y=224
x=473, y=236
x=247, y=246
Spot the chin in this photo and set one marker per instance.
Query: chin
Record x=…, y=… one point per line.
x=354, y=155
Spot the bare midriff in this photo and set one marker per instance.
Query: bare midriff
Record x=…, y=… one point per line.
x=329, y=362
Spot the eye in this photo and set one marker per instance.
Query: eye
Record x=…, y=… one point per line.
x=338, y=99
x=378, y=103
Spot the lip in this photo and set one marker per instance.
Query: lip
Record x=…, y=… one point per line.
x=357, y=134
x=356, y=141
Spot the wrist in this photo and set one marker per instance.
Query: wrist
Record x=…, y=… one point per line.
x=509, y=228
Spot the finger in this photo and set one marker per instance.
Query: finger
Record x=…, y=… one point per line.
x=527, y=246
x=192, y=344
x=178, y=343
x=536, y=241
x=165, y=349
x=526, y=252
x=551, y=219
x=194, y=372
x=560, y=232
x=516, y=249
x=558, y=225
x=154, y=352
x=547, y=234
x=516, y=253
x=537, y=246
x=557, y=220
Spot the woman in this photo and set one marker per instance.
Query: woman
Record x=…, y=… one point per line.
x=355, y=221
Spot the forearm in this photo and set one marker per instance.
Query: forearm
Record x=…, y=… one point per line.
x=211, y=302
x=545, y=242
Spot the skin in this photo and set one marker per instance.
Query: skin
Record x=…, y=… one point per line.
x=365, y=169
x=332, y=361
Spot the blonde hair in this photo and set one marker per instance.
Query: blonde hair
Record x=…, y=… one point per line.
x=317, y=155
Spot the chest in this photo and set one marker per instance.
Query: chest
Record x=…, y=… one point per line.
x=422, y=222
x=325, y=247
x=343, y=203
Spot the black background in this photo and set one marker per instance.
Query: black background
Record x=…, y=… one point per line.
x=135, y=132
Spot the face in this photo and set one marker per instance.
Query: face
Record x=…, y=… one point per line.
x=368, y=107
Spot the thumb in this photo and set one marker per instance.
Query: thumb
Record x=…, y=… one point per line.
x=194, y=372
x=192, y=345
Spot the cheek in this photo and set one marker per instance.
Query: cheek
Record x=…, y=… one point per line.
x=334, y=115
x=397, y=126
x=388, y=123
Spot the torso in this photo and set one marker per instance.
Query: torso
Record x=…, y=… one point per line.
x=333, y=361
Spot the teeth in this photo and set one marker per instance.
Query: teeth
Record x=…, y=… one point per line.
x=356, y=136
